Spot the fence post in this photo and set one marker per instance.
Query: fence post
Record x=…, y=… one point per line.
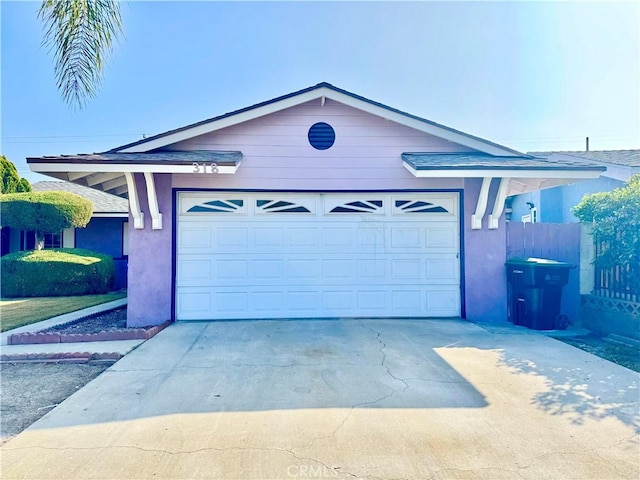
x=587, y=256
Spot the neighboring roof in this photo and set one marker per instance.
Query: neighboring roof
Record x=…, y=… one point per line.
x=307, y=94
x=102, y=202
x=625, y=158
x=439, y=161
x=168, y=158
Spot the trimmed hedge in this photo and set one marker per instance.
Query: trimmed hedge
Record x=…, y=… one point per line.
x=46, y=212
x=56, y=272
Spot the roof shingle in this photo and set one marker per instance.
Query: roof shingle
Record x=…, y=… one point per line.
x=626, y=158
x=168, y=157
x=102, y=202
x=477, y=161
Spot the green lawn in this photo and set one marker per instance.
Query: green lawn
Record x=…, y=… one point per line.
x=16, y=312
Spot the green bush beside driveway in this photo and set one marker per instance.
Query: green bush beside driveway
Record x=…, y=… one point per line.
x=56, y=272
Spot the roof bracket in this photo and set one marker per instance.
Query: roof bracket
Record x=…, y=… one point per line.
x=481, y=207
x=152, y=198
x=498, y=205
x=322, y=100
x=134, y=204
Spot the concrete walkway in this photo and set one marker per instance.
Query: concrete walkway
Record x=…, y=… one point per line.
x=56, y=351
x=119, y=347
x=341, y=399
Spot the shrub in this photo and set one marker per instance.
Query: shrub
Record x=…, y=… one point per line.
x=616, y=226
x=11, y=181
x=56, y=272
x=44, y=212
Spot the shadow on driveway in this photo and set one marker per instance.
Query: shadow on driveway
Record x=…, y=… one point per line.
x=353, y=398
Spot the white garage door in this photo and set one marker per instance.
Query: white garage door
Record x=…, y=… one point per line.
x=292, y=255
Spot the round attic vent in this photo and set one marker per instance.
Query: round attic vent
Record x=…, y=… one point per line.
x=321, y=136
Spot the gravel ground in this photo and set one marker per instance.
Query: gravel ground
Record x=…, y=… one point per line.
x=30, y=390
x=626, y=355
x=112, y=320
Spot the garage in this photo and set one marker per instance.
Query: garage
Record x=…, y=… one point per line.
x=312, y=255
x=319, y=203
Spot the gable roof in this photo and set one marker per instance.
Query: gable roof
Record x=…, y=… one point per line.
x=320, y=91
x=624, y=158
x=113, y=171
x=102, y=202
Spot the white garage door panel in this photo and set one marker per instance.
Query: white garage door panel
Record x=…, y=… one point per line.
x=308, y=255
x=265, y=302
x=340, y=269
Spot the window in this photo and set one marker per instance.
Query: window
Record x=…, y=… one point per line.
x=51, y=240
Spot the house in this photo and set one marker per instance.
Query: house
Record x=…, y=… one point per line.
x=107, y=231
x=553, y=205
x=319, y=203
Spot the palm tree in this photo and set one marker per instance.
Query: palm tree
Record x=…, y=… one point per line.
x=80, y=33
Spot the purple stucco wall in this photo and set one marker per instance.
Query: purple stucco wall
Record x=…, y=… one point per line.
x=485, y=254
x=150, y=271
x=277, y=156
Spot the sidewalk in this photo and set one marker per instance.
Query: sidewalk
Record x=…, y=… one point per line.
x=78, y=352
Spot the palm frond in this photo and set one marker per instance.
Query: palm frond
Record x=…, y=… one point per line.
x=80, y=33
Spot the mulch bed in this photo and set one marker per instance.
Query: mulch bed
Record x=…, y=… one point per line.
x=102, y=322
x=111, y=325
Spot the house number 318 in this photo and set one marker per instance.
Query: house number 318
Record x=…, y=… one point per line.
x=202, y=167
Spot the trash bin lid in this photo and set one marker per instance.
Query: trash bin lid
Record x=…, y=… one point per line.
x=538, y=262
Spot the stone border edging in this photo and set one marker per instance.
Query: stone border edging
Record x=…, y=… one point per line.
x=71, y=357
x=55, y=337
x=63, y=319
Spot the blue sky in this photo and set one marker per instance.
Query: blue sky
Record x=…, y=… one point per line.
x=530, y=75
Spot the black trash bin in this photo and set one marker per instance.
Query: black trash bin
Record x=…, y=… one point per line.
x=534, y=287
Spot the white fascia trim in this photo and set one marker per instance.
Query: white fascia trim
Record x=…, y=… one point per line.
x=481, y=206
x=498, y=205
x=322, y=93
x=452, y=136
x=462, y=173
x=89, y=168
x=228, y=121
x=134, y=204
x=620, y=172
x=152, y=199
x=110, y=215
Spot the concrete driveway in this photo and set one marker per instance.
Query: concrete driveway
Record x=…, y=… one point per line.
x=376, y=399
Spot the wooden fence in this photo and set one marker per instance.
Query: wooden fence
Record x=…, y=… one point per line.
x=616, y=282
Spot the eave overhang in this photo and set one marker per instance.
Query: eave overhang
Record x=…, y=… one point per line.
x=115, y=173
x=514, y=175
x=153, y=162
x=106, y=171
